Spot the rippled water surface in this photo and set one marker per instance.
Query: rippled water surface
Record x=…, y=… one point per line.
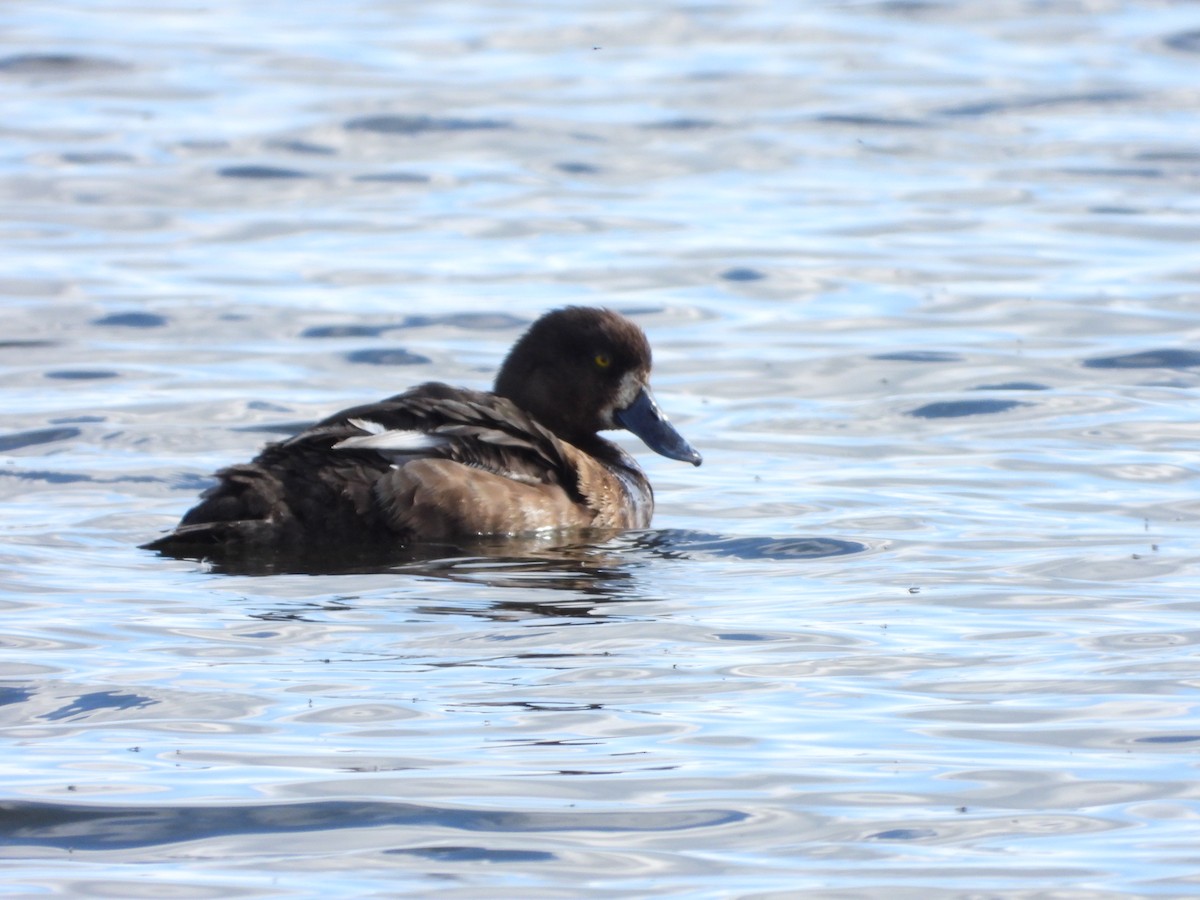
x=922, y=284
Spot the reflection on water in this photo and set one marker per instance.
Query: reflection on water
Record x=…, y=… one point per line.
x=95, y=827
x=1166, y=358
x=551, y=561
x=951, y=409
x=684, y=544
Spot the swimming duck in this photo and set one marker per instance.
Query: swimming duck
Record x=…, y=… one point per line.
x=441, y=463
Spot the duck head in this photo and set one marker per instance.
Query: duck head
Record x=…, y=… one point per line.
x=580, y=370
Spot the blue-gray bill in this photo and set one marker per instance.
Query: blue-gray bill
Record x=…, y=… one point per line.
x=646, y=420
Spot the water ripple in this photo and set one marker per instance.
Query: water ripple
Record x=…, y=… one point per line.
x=95, y=827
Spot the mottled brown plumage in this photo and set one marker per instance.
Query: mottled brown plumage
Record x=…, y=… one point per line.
x=438, y=463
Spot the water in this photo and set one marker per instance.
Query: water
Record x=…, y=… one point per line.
x=922, y=287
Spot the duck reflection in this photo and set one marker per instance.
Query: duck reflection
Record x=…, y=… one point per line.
x=544, y=576
x=500, y=561
x=539, y=560
x=539, y=576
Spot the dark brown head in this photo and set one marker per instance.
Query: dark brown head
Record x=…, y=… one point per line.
x=580, y=370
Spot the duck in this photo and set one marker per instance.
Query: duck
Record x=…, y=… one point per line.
x=442, y=463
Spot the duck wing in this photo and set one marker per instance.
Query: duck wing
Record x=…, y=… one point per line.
x=476, y=429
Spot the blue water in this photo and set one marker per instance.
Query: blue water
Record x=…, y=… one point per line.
x=922, y=287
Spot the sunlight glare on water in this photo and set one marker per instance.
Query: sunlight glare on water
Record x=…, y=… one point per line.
x=921, y=284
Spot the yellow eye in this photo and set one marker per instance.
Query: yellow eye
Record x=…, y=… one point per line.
x=603, y=360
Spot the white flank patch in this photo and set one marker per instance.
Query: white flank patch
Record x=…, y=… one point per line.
x=368, y=426
x=392, y=441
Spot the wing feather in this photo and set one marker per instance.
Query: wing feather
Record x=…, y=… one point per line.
x=480, y=430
